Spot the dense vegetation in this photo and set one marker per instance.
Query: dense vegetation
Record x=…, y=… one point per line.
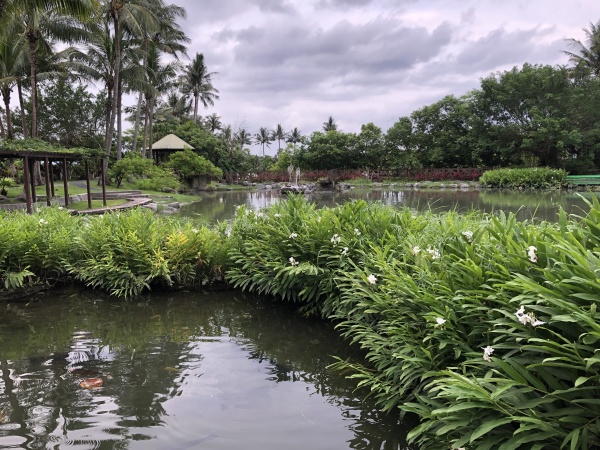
x=537, y=177
x=482, y=325
x=529, y=116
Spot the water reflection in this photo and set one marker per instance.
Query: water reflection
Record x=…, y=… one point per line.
x=219, y=206
x=183, y=371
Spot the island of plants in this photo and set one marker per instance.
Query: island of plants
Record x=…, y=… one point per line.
x=483, y=326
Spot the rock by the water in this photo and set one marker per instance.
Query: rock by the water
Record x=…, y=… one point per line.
x=293, y=189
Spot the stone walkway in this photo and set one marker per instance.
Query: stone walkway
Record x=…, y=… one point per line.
x=131, y=203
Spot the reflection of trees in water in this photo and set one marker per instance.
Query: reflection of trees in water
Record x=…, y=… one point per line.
x=294, y=349
x=144, y=352
x=220, y=206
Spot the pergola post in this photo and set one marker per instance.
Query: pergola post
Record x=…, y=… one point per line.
x=47, y=180
x=103, y=182
x=52, y=189
x=66, y=181
x=27, y=185
x=87, y=179
x=32, y=181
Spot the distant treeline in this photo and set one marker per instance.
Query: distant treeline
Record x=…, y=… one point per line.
x=530, y=116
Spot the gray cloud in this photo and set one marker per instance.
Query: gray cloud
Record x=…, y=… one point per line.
x=296, y=62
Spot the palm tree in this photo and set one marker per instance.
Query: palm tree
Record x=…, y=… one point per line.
x=213, y=122
x=587, y=56
x=243, y=137
x=263, y=137
x=13, y=61
x=168, y=37
x=197, y=81
x=161, y=78
x=280, y=135
x=330, y=125
x=294, y=137
x=77, y=8
x=39, y=25
x=174, y=107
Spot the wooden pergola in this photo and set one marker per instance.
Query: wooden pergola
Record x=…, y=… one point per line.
x=48, y=158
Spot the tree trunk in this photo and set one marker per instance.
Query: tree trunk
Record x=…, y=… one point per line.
x=151, y=124
x=136, y=127
x=33, y=66
x=196, y=98
x=21, y=105
x=117, y=72
x=145, y=140
x=119, y=126
x=6, y=97
x=2, y=132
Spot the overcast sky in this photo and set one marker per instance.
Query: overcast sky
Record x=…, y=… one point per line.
x=296, y=62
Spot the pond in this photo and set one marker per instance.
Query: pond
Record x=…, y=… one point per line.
x=178, y=371
x=218, y=206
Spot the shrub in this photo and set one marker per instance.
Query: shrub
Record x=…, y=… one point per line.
x=188, y=164
x=537, y=177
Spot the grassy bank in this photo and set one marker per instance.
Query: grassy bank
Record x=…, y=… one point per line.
x=484, y=326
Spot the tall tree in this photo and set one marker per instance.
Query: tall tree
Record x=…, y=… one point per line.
x=168, y=37
x=330, y=125
x=279, y=134
x=263, y=137
x=213, y=122
x=161, y=79
x=40, y=24
x=197, y=81
x=294, y=137
x=13, y=61
x=587, y=55
x=243, y=137
x=129, y=18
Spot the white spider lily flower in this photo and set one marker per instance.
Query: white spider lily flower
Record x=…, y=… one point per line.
x=434, y=252
x=468, y=235
x=440, y=321
x=345, y=251
x=487, y=352
x=336, y=239
x=293, y=235
x=292, y=261
x=357, y=232
x=416, y=250
x=531, y=253
x=43, y=222
x=528, y=319
x=372, y=279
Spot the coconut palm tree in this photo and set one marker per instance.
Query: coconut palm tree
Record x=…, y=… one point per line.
x=13, y=61
x=279, y=135
x=243, y=137
x=168, y=37
x=197, y=81
x=294, y=137
x=588, y=56
x=39, y=26
x=263, y=137
x=174, y=107
x=213, y=122
x=161, y=79
x=330, y=125
x=78, y=8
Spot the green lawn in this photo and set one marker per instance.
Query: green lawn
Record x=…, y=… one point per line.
x=80, y=206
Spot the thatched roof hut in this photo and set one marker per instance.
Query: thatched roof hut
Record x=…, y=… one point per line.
x=167, y=145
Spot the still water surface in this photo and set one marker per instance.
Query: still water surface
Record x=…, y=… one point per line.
x=179, y=371
x=218, y=206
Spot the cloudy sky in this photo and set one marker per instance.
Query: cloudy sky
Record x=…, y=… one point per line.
x=296, y=62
